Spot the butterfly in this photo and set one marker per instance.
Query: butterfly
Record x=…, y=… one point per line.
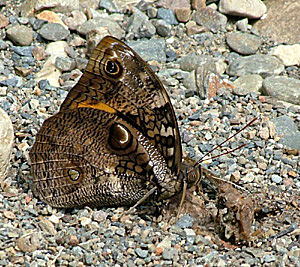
x=115, y=140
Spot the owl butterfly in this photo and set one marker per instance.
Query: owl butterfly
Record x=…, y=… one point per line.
x=115, y=139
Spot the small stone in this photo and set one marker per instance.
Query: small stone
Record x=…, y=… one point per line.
x=110, y=25
x=108, y=5
x=247, y=83
x=85, y=221
x=189, y=232
x=4, y=21
x=23, y=50
x=99, y=216
x=183, y=14
x=65, y=63
x=47, y=227
x=185, y=221
x=141, y=253
x=269, y=258
x=54, y=32
x=281, y=23
x=6, y=141
x=243, y=43
x=165, y=243
x=62, y=6
x=289, y=54
x=153, y=49
x=140, y=25
x=9, y=215
x=50, y=17
x=263, y=65
x=20, y=35
x=38, y=53
x=25, y=244
x=170, y=254
x=283, y=88
x=54, y=219
x=252, y=9
x=264, y=133
x=198, y=4
x=242, y=24
x=76, y=19
x=73, y=240
x=192, y=28
x=167, y=15
x=3, y=45
x=211, y=19
x=288, y=132
x=163, y=28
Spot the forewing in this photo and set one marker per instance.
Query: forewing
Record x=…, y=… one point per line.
x=134, y=91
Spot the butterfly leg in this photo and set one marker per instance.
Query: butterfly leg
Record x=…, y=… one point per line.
x=182, y=200
x=149, y=193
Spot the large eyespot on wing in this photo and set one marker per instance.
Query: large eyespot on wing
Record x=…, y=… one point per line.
x=120, y=137
x=113, y=68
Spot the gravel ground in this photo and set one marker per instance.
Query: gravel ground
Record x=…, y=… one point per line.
x=193, y=66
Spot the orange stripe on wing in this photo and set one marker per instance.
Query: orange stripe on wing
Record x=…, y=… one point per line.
x=99, y=105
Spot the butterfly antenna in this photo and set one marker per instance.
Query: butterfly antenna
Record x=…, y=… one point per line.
x=217, y=146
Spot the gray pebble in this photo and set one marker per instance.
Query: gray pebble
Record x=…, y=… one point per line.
x=170, y=254
x=167, y=15
x=243, y=43
x=276, y=179
x=153, y=49
x=141, y=252
x=263, y=65
x=54, y=32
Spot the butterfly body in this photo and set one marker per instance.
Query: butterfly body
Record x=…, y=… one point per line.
x=114, y=139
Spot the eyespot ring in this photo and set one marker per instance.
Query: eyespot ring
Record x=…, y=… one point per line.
x=73, y=175
x=112, y=68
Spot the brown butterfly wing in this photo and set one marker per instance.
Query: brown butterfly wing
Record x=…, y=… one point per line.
x=116, y=77
x=91, y=157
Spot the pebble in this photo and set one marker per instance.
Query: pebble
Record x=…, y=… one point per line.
x=289, y=54
x=276, y=179
x=65, y=63
x=4, y=21
x=211, y=19
x=252, y=9
x=141, y=252
x=264, y=65
x=288, y=131
x=75, y=19
x=6, y=142
x=243, y=43
x=247, y=83
x=170, y=254
x=54, y=32
x=283, y=88
x=242, y=24
x=140, y=25
x=108, y=5
x=153, y=49
x=167, y=15
x=92, y=24
x=20, y=35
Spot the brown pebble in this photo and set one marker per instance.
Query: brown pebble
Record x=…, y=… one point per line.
x=38, y=53
x=73, y=240
x=9, y=215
